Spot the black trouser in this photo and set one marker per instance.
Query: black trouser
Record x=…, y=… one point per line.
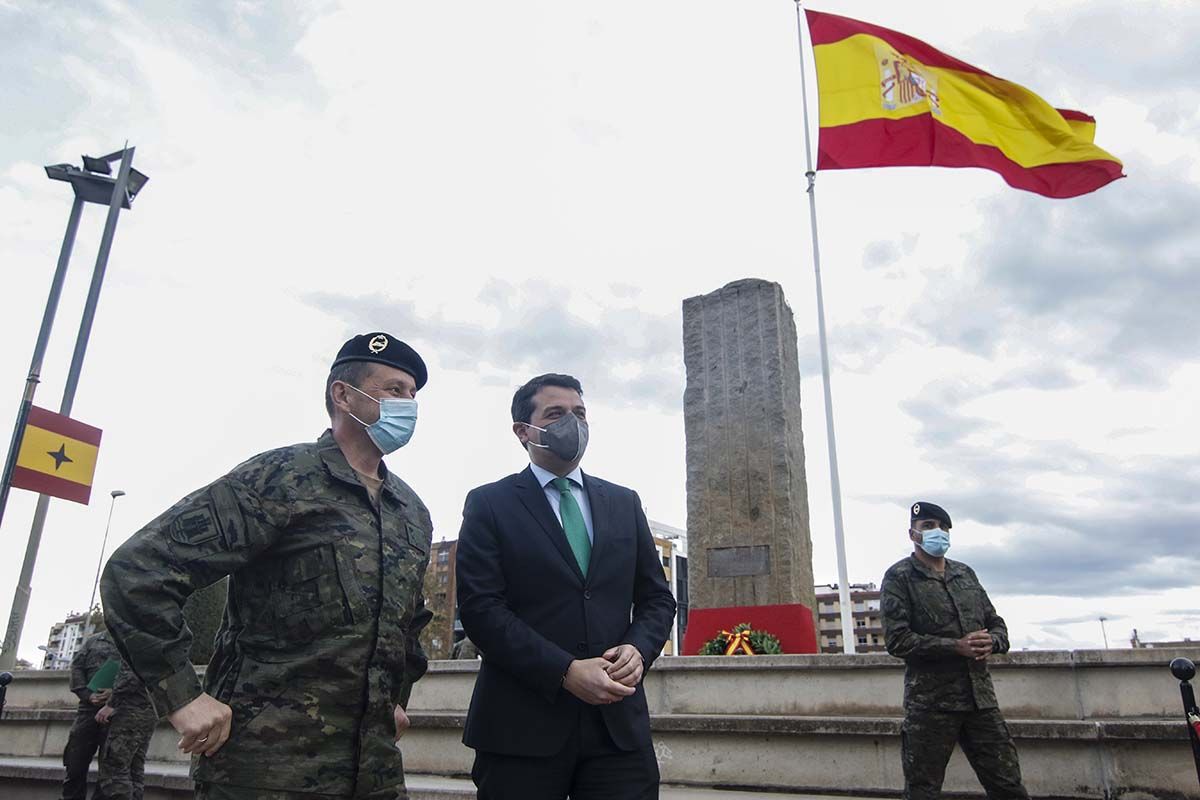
x=85, y=739
x=590, y=767
x=927, y=740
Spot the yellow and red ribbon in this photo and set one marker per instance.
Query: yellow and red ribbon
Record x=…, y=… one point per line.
x=735, y=640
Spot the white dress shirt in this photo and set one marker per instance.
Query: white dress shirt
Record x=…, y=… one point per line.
x=545, y=478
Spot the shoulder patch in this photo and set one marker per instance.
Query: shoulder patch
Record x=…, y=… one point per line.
x=195, y=526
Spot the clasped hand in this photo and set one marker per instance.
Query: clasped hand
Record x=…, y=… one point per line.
x=976, y=645
x=608, y=679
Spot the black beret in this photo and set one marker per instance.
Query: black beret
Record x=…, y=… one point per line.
x=382, y=348
x=924, y=510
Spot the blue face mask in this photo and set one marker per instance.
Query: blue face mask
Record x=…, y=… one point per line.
x=934, y=542
x=396, y=423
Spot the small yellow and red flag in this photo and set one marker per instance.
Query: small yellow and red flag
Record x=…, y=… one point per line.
x=889, y=100
x=57, y=456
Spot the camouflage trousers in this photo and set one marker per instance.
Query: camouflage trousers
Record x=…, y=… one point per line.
x=123, y=754
x=85, y=738
x=927, y=739
x=220, y=791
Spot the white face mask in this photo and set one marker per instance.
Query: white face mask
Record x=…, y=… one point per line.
x=396, y=423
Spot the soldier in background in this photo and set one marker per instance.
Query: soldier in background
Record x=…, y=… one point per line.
x=318, y=650
x=87, y=735
x=464, y=649
x=938, y=618
x=130, y=719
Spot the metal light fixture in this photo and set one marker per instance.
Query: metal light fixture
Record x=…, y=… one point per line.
x=93, y=183
x=97, y=165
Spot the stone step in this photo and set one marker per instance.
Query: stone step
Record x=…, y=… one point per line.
x=40, y=777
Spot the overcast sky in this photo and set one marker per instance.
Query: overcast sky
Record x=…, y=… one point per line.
x=526, y=187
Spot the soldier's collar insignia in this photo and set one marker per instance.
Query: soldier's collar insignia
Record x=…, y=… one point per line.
x=378, y=344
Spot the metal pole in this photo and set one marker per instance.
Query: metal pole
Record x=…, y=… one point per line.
x=103, y=545
x=1103, y=632
x=39, y=350
x=1185, y=670
x=848, y=641
x=16, y=620
x=93, y=298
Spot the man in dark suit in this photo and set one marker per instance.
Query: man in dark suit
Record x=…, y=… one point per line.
x=561, y=587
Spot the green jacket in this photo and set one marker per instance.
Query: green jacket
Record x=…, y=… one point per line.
x=924, y=614
x=319, y=637
x=91, y=656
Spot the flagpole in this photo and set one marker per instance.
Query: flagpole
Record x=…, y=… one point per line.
x=835, y=484
x=39, y=351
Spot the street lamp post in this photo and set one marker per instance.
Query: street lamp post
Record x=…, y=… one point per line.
x=1103, y=632
x=55, y=658
x=92, y=184
x=92, y=603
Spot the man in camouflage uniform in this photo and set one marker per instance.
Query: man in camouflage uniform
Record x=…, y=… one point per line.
x=938, y=618
x=86, y=733
x=130, y=719
x=464, y=649
x=318, y=650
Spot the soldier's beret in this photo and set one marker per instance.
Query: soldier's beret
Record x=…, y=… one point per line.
x=383, y=348
x=925, y=510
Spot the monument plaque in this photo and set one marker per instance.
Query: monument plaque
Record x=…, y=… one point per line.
x=737, y=562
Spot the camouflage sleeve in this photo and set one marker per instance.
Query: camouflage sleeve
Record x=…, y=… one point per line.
x=79, y=676
x=124, y=685
x=899, y=637
x=994, y=623
x=415, y=660
x=206, y=536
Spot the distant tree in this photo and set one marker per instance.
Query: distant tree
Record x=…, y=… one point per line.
x=23, y=664
x=437, y=639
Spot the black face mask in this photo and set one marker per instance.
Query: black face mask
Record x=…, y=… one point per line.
x=566, y=437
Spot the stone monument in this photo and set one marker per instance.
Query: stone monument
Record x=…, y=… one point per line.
x=747, y=495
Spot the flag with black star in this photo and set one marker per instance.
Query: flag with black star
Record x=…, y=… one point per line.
x=57, y=456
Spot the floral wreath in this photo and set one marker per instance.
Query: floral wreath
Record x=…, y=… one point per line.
x=742, y=640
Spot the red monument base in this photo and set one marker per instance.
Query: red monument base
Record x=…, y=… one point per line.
x=791, y=624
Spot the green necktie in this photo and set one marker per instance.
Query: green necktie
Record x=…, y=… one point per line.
x=573, y=524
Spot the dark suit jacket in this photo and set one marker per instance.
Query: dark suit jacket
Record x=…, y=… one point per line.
x=525, y=603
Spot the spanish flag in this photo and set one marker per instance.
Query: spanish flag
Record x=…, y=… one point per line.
x=57, y=456
x=889, y=100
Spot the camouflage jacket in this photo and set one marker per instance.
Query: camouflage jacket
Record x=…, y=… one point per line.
x=128, y=692
x=92, y=655
x=319, y=637
x=924, y=614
